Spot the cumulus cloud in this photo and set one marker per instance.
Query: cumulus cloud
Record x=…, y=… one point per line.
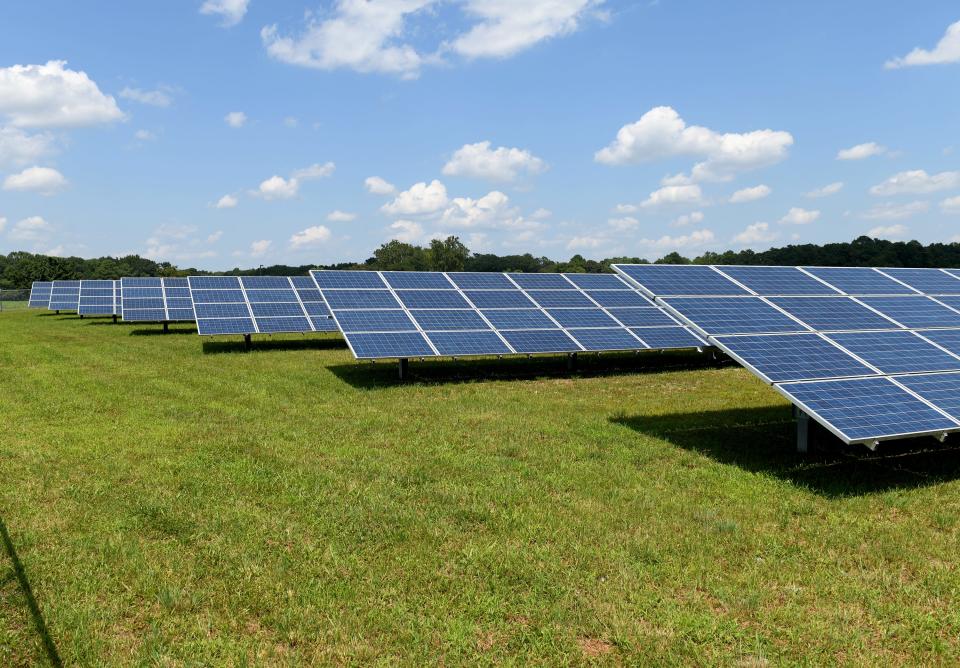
x=236, y=119
x=586, y=243
x=227, y=202
x=826, y=191
x=19, y=148
x=499, y=164
x=277, y=187
x=888, y=231
x=407, y=231
x=691, y=240
x=34, y=228
x=661, y=133
x=231, y=12
x=341, y=216
x=310, y=237
x=181, y=243
x=892, y=211
x=626, y=208
x=541, y=214
x=492, y=208
x=315, y=171
x=916, y=182
x=159, y=97
x=421, y=198
x=43, y=180
x=690, y=194
x=693, y=218
x=750, y=194
x=755, y=234
x=799, y=216
x=52, y=96
x=260, y=248
x=378, y=186
x=623, y=223
x=861, y=151
x=947, y=50
x=950, y=205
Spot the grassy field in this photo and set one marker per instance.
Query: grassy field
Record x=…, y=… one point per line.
x=166, y=500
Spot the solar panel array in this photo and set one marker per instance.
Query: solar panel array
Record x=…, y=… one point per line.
x=259, y=305
x=156, y=300
x=870, y=353
x=99, y=298
x=40, y=294
x=64, y=296
x=403, y=314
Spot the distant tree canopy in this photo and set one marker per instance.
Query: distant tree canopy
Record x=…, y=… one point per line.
x=19, y=269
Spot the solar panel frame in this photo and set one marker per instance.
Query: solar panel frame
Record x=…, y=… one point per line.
x=64, y=296
x=914, y=312
x=926, y=281
x=97, y=297
x=860, y=281
x=770, y=281
x=170, y=300
x=40, y=294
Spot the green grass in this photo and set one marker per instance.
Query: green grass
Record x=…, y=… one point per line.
x=174, y=501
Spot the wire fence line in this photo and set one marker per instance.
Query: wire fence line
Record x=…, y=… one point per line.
x=11, y=300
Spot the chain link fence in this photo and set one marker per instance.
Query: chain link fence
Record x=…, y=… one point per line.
x=14, y=300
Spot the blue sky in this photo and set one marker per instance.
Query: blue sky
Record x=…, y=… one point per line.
x=221, y=133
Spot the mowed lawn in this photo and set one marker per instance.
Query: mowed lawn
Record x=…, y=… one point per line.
x=175, y=501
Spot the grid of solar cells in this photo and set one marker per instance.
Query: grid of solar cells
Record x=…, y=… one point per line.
x=858, y=281
x=940, y=389
x=118, y=298
x=945, y=338
x=865, y=409
x=914, y=312
x=927, y=281
x=828, y=314
x=733, y=315
x=465, y=313
x=769, y=281
x=64, y=296
x=665, y=280
x=156, y=300
x=97, y=298
x=40, y=294
x=896, y=352
x=792, y=357
x=258, y=305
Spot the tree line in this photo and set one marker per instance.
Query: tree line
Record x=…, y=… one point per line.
x=19, y=269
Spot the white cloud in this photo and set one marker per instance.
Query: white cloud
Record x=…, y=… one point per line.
x=585, y=243
x=312, y=236
x=377, y=186
x=693, y=218
x=315, y=171
x=421, y=198
x=755, y=234
x=43, y=180
x=661, y=133
x=892, y=211
x=799, y=216
x=48, y=96
x=916, y=182
x=215, y=237
x=500, y=164
x=179, y=243
x=341, y=216
x=750, y=194
x=694, y=239
x=406, y=231
x=507, y=27
x=487, y=210
x=227, y=202
x=690, y=194
x=231, y=12
x=277, y=187
x=950, y=205
x=260, y=248
x=888, y=232
x=541, y=214
x=19, y=148
x=623, y=223
x=34, y=228
x=155, y=98
x=3, y=223
x=626, y=208
x=826, y=191
x=946, y=51
x=236, y=119
x=861, y=151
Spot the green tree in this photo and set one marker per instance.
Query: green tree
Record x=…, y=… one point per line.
x=399, y=256
x=447, y=255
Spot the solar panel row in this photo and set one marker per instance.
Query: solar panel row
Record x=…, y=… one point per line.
x=156, y=300
x=64, y=296
x=99, y=298
x=40, y=294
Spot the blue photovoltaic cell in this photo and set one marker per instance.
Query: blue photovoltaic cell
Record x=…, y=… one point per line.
x=606, y=339
x=940, y=389
x=864, y=409
x=914, y=312
x=945, y=338
x=360, y=299
x=140, y=282
x=783, y=357
x=374, y=321
x=180, y=314
x=145, y=315
x=668, y=337
x=618, y=298
x=178, y=303
x=466, y=280
x=519, y=319
x=927, y=281
x=222, y=310
x=212, y=326
x=832, y=313
x=859, y=281
x=952, y=302
x=266, y=283
x=541, y=281
x=498, y=299
x=733, y=315
x=468, y=343
x=642, y=317
x=448, y=319
x=214, y=283
x=540, y=341
x=276, y=295
x=40, y=294
x=272, y=324
x=390, y=345
x=597, y=281
x=560, y=298
x=304, y=283
x=417, y=280
x=664, y=280
x=316, y=308
x=144, y=293
x=347, y=279
x=582, y=317
x=64, y=296
x=277, y=310
x=770, y=281
x=218, y=296
x=896, y=352
x=432, y=299
x=97, y=297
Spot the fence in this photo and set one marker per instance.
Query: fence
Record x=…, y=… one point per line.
x=12, y=300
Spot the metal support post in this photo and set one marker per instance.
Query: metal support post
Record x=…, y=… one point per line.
x=403, y=368
x=803, y=432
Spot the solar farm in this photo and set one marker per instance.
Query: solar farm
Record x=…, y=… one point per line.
x=666, y=464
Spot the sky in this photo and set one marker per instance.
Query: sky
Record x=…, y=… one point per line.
x=223, y=133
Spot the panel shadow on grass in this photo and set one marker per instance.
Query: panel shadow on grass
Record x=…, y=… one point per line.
x=158, y=331
x=763, y=440
x=369, y=376
x=272, y=345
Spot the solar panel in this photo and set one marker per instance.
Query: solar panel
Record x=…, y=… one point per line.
x=97, y=298
x=773, y=281
x=666, y=280
x=945, y=338
x=858, y=281
x=914, y=312
x=463, y=313
x=258, y=305
x=896, y=352
x=40, y=294
x=152, y=299
x=833, y=313
x=927, y=281
x=790, y=357
x=867, y=409
x=940, y=389
x=64, y=296
x=733, y=315
x=667, y=338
